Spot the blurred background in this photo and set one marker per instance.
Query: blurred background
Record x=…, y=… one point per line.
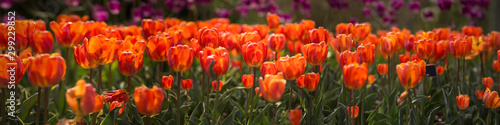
x=382, y=14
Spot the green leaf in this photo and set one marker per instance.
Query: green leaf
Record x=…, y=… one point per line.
x=26, y=106
x=419, y=98
x=60, y=100
x=261, y=117
x=431, y=114
x=109, y=119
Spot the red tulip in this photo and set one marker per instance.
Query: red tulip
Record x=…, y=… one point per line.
x=353, y=114
x=249, y=37
x=347, y=57
x=365, y=54
x=315, y=53
x=479, y=94
x=276, y=42
x=425, y=48
x=460, y=47
x=247, y=81
x=389, y=44
x=129, y=63
x=488, y=82
x=101, y=50
x=344, y=28
x=180, y=58
x=120, y=95
x=151, y=27
x=294, y=116
x=491, y=99
x=11, y=65
x=318, y=35
x=49, y=70
x=24, y=31
x=273, y=20
x=440, y=70
x=343, y=43
x=355, y=75
x=42, y=42
x=272, y=87
x=293, y=31
x=81, y=98
x=409, y=74
x=309, y=80
x=167, y=82
x=268, y=68
x=148, y=101
x=254, y=53
x=360, y=31
x=292, y=67
x=187, y=84
x=208, y=37
x=472, y=31
x=382, y=68
x=69, y=34
x=214, y=85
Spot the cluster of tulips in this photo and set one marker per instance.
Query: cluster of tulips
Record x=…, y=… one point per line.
x=218, y=45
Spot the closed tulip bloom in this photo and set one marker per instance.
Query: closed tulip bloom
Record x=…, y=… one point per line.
x=96, y=28
x=488, y=82
x=309, y=80
x=428, y=35
x=440, y=70
x=5, y=74
x=442, y=33
x=101, y=50
x=479, y=94
x=229, y=41
x=214, y=85
x=130, y=63
x=353, y=111
x=403, y=58
x=69, y=34
x=273, y=20
x=158, y=46
x=382, y=68
x=3, y=40
x=439, y=51
x=293, y=31
x=208, y=37
x=268, y=68
x=460, y=47
x=272, y=87
x=409, y=74
x=187, y=84
x=462, y=101
x=300, y=81
x=344, y=28
x=42, y=42
x=410, y=42
x=425, y=48
x=292, y=67
x=254, y=53
x=257, y=89
x=360, y=31
x=496, y=65
x=81, y=98
x=307, y=25
x=24, y=31
x=148, y=101
x=343, y=43
x=221, y=61
x=167, y=82
x=317, y=36
x=389, y=44
x=48, y=70
x=315, y=53
x=472, y=31
x=180, y=58
x=402, y=97
x=479, y=44
x=294, y=116
x=99, y=104
x=276, y=42
x=491, y=99
x=365, y=54
x=116, y=104
x=355, y=75
x=346, y=58
x=81, y=58
x=249, y=37
x=151, y=27
x=247, y=80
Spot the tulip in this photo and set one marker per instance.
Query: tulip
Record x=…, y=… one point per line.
x=307, y=25
x=24, y=32
x=221, y=61
x=315, y=53
x=353, y=111
x=49, y=70
x=442, y=33
x=272, y=87
x=496, y=65
x=263, y=30
x=294, y=116
x=462, y=101
x=116, y=104
x=99, y=103
x=254, y=53
x=120, y=95
x=71, y=18
x=249, y=37
x=257, y=90
x=440, y=70
x=479, y=44
x=402, y=97
x=276, y=42
x=214, y=85
x=101, y=50
x=371, y=79
x=491, y=99
x=488, y=82
x=347, y=57
x=148, y=101
x=69, y=34
x=17, y=64
x=130, y=63
x=81, y=98
x=229, y=41
x=187, y=84
x=409, y=74
x=479, y=94
x=151, y=27
x=167, y=82
x=389, y=44
x=382, y=69
x=403, y=58
x=344, y=28
x=428, y=35
x=293, y=31
x=425, y=48
x=309, y=80
x=360, y=31
x=3, y=40
x=273, y=20
x=114, y=8
x=42, y=42
x=268, y=68
x=472, y=31
x=294, y=47
x=343, y=43
x=318, y=35
x=292, y=67
x=439, y=52
x=460, y=47
x=134, y=44
x=180, y=58
x=208, y=37
x=247, y=81
x=158, y=46
x=300, y=81
x=365, y=54
x=355, y=75
x=409, y=43
x=96, y=28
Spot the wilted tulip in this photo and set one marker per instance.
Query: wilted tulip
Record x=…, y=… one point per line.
x=81, y=98
x=247, y=81
x=268, y=68
x=425, y=48
x=208, y=37
x=409, y=74
x=180, y=58
x=116, y=104
x=101, y=50
x=292, y=67
x=167, y=82
x=318, y=35
x=187, y=84
x=5, y=75
x=343, y=43
x=276, y=42
x=120, y=95
x=462, y=101
x=491, y=99
x=365, y=54
x=214, y=85
x=353, y=111
x=254, y=53
x=460, y=47
x=272, y=87
x=355, y=75
x=360, y=31
x=151, y=27
x=309, y=80
x=130, y=63
x=488, y=82
x=294, y=116
x=42, y=42
x=148, y=101
x=479, y=94
x=402, y=97
x=472, y=31
x=273, y=20
x=69, y=34
x=315, y=53
x=382, y=68
x=49, y=70
x=158, y=46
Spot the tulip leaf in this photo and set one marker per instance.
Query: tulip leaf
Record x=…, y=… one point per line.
x=110, y=117
x=261, y=117
x=134, y=112
x=431, y=114
x=60, y=101
x=26, y=106
x=229, y=120
x=419, y=98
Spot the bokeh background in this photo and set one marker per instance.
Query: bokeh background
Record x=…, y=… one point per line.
x=382, y=14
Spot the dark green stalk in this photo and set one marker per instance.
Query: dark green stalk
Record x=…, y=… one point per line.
x=46, y=105
x=146, y=120
x=37, y=105
x=178, y=98
x=252, y=94
x=128, y=84
x=214, y=113
x=99, y=79
x=309, y=109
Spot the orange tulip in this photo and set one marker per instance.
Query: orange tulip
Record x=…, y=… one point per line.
x=167, y=82
x=307, y=25
x=491, y=99
x=353, y=114
x=460, y=47
x=247, y=81
x=409, y=74
x=428, y=35
x=81, y=98
x=403, y=58
x=344, y=28
x=318, y=35
x=382, y=68
x=294, y=47
x=101, y=50
x=249, y=37
x=120, y=95
x=315, y=53
x=180, y=58
x=347, y=57
x=236, y=64
x=440, y=70
x=228, y=41
x=488, y=82
x=439, y=51
x=442, y=33
x=42, y=42
x=3, y=37
x=130, y=63
x=294, y=116
x=360, y=31
x=187, y=84
x=389, y=44
x=300, y=81
x=355, y=75
x=95, y=28
x=257, y=90
x=273, y=20
x=208, y=37
x=268, y=68
x=24, y=32
x=309, y=80
x=371, y=79
x=292, y=67
x=276, y=42
x=254, y=53
x=151, y=27
x=214, y=85
x=343, y=43
x=11, y=65
x=496, y=65
x=479, y=44
x=272, y=87
x=494, y=39
x=49, y=70
x=99, y=103
x=157, y=47
x=69, y=34
x=365, y=54
x=263, y=30
x=472, y=31
x=81, y=58
x=148, y=101
x=479, y=94
x=409, y=43
x=116, y=104
x=425, y=48
x=134, y=44
x=71, y=18
x=462, y=101
x=221, y=58
x=293, y=31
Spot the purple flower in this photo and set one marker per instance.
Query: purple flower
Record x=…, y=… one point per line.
x=72, y=2
x=396, y=4
x=136, y=14
x=367, y=12
x=414, y=6
x=100, y=15
x=380, y=8
x=428, y=15
x=476, y=13
x=444, y=4
x=223, y=13
x=174, y=5
x=242, y=9
x=285, y=17
x=353, y=20
x=6, y=4
x=147, y=9
x=158, y=14
x=367, y=2
x=114, y=7
x=203, y=2
x=484, y=3
x=466, y=9
x=99, y=8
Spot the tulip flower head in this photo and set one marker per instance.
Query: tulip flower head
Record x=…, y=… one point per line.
x=353, y=111
x=355, y=75
x=187, y=84
x=440, y=70
x=343, y=43
x=293, y=31
x=101, y=50
x=5, y=75
x=254, y=53
x=42, y=42
x=291, y=67
x=268, y=68
x=479, y=94
x=382, y=68
x=208, y=37
x=81, y=98
x=318, y=35
x=276, y=42
x=49, y=70
x=346, y=58
x=488, y=82
x=409, y=74
x=120, y=95
x=309, y=80
x=425, y=48
x=247, y=81
x=389, y=44
x=69, y=34
x=148, y=101
x=460, y=47
x=496, y=65
x=273, y=20
x=491, y=99
x=130, y=63
x=294, y=116
x=180, y=58
x=99, y=104
x=344, y=28
x=315, y=53
x=247, y=37
x=151, y=27
x=365, y=54
x=272, y=87
x=462, y=101
x=116, y=104
x=214, y=85
x=472, y=31
x=158, y=46
x=167, y=82
x=360, y=31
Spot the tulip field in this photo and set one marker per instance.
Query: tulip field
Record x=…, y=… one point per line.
x=168, y=70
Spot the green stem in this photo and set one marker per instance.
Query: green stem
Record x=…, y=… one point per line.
x=272, y=114
x=309, y=109
x=99, y=79
x=252, y=94
x=46, y=105
x=246, y=107
x=146, y=120
x=203, y=88
x=408, y=108
x=458, y=74
x=128, y=84
x=110, y=77
x=363, y=104
x=160, y=70
x=214, y=113
x=94, y=118
x=489, y=117
x=178, y=98
x=37, y=105
x=290, y=100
